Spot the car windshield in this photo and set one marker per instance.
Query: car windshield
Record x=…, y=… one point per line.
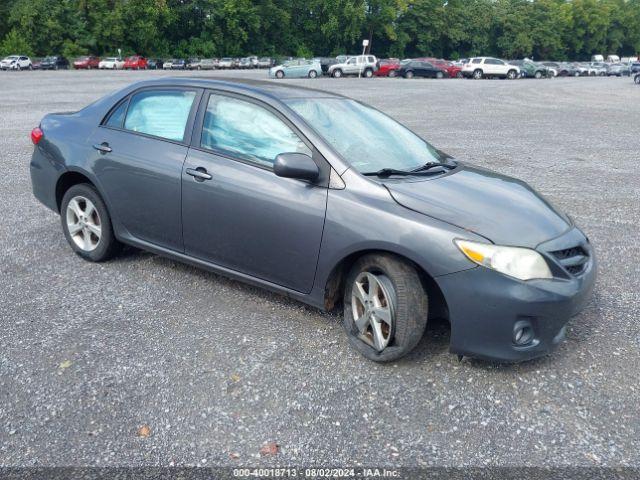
x=366, y=138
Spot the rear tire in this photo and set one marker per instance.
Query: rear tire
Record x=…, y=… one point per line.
x=511, y=74
x=477, y=74
x=538, y=75
x=439, y=75
x=459, y=75
x=279, y=74
x=313, y=74
x=409, y=74
x=391, y=74
x=337, y=73
x=86, y=216
x=395, y=317
x=368, y=73
x=636, y=79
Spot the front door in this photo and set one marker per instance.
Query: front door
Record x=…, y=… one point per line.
x=236, y=212
x=138, y=156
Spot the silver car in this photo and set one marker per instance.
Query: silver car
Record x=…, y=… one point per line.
x=299, y=68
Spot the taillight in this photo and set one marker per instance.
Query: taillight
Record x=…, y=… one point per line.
x=36, y=135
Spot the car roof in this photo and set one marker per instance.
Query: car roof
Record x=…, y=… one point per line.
x=278, y=91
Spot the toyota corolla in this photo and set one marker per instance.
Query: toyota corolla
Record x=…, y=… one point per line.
x=321, y=198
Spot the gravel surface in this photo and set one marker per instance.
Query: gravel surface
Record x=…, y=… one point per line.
x=90, y=353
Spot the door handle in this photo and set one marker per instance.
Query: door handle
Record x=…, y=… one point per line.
x=103, y=147
x=200, y=174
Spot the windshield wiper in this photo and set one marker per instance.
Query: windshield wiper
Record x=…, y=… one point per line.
x=423, y=170
x=430, y=165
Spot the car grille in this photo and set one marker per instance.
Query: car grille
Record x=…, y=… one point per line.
x=574, y=259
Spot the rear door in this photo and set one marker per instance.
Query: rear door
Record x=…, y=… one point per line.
x=236, y=212
x=139, y=151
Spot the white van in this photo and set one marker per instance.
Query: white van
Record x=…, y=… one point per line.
x=597, y=58
x=613, y=59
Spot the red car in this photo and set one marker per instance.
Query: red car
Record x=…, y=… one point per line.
x=86, y=63
x=135, y=63
x=388, y=67
x=453, y=70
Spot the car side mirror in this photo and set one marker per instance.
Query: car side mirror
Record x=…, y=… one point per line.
x=296, y=165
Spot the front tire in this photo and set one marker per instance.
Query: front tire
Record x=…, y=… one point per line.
x=391, y=74
x=511, y=74
x=409, y=74
x=337, y=73
x=636, y=79
x=279, y=74
x=368, y=73
x=385, y=307
x=87, y=225
x=439, y=75
x=313, y=74
x=538, y=75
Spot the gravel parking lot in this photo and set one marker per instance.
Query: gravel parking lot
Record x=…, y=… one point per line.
x=89, y=353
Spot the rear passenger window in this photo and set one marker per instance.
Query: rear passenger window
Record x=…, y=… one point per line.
x=247, y=131
x=117, y=116
x=477, y=60
x=162, y=113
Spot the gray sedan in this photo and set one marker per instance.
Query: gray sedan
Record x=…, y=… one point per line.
x=320, y=198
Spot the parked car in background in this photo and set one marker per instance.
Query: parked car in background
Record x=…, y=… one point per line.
x=135, y=62
x=364, y=65
x=111, y=63
x=562, y=69
x=193, y=64
x=265, y=62
x=618, y=70
x=420, y=68
x=598, y=69
x=299, y=68
x=168, y=64
x=16, y=62
x=87, y=62
x=387, y=67
x=597, y=58
x=325, y=63
x=245, y=62
x=155, y=63
x=453, y=70
x=54, y=62
x=225, y=62
x=179, y=64
x=613, y=59
x=207, y=64
x=529, y=69
x=628, y=60
x=253, y=61
x=36, y=63
x=489, y=67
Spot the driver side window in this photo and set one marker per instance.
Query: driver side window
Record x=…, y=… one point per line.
x=247, y=131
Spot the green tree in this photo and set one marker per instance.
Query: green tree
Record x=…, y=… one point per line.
x=14, y=43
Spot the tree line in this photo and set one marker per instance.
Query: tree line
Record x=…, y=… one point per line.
x=542, y=29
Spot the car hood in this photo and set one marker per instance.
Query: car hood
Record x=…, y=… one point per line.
x=502, y=209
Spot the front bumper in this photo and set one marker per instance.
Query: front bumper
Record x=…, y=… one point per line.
x=486, y=307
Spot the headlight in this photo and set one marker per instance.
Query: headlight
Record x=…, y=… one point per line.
x=521, y=263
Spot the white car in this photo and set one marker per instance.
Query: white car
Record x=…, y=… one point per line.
x=225, y=62
x=364, y=65
x=167, y=65
x=16, y=62
x=111, y=63
x=489, y=67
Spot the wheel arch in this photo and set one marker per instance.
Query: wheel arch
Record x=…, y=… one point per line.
x=334, y=283
x=70, y=178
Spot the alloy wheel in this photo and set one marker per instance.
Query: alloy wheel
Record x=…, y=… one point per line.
x=372, y=304
x=83, y=223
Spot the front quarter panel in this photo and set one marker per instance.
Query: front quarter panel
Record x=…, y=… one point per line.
x=364, y=217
